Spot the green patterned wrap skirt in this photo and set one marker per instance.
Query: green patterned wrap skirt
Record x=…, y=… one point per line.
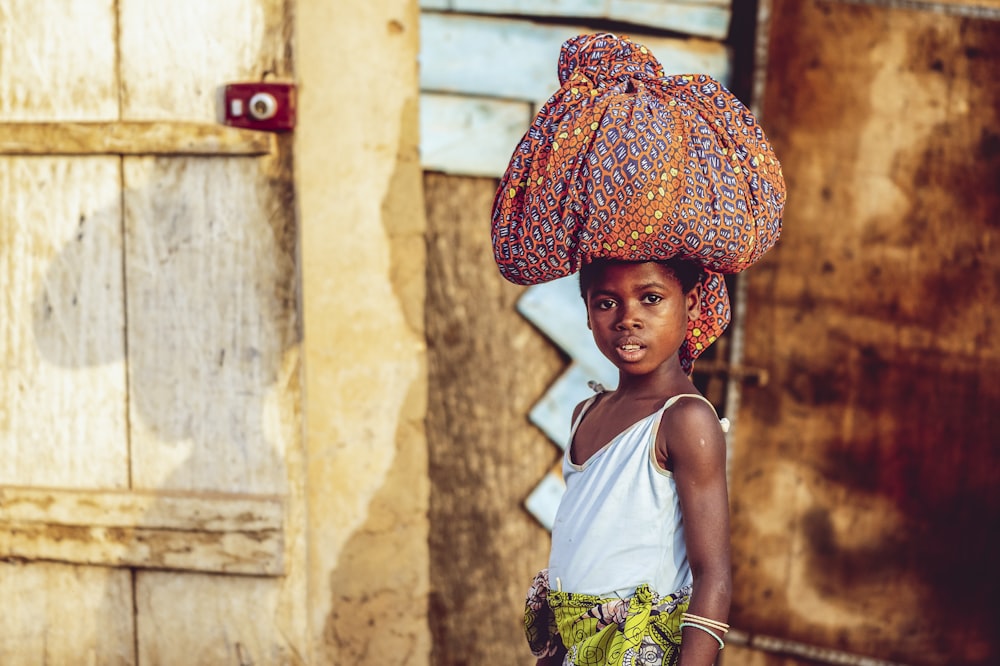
x=641, y=630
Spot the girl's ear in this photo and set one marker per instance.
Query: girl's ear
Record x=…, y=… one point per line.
x=692, y=301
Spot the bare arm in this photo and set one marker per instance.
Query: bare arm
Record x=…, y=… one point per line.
x=695, y=444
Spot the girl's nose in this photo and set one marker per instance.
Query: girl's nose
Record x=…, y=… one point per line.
x=628, y=319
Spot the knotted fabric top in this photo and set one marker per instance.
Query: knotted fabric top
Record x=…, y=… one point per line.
x=624, y=162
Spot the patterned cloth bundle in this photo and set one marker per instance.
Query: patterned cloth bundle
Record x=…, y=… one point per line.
x=624, y=162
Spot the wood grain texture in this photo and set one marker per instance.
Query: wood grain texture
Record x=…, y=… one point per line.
x=864, y=481
x=487, y=367
x=81, y=402
x=207, y=512
x=203, y=620
x=210, y=265
x=176, y=57
x=131, y=138
x=252, y=553
x=210, y=275
x=62, y=391
x=65, y=614
x=234, y=534
x=62, y=338
x=51, y=74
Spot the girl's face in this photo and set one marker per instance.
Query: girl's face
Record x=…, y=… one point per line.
x=639, y=315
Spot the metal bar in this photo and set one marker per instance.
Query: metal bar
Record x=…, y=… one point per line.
x=814, y=653
x=974, y=11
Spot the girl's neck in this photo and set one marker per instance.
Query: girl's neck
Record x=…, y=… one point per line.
x=656, y=385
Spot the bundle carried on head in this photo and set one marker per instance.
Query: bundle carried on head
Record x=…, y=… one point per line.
x=626, y=163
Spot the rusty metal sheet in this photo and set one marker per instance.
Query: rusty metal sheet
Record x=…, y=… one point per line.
x=864, y=477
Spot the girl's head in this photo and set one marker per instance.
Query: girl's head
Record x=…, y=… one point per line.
x=688, y=273
x=640, y=312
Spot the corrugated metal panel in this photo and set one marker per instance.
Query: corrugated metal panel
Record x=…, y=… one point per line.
x=470, y=136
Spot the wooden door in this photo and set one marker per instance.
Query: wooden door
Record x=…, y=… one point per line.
x=864, y=480
x=150, y=477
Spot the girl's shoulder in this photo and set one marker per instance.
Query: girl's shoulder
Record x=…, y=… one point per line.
x=689, y=403
x=691, y=411
x=690, y=425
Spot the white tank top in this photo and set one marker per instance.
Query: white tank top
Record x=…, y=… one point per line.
x=619, y=523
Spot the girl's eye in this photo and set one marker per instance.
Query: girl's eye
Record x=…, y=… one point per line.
x=651, y=299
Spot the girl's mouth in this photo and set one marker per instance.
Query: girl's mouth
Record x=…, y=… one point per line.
x=630, y=351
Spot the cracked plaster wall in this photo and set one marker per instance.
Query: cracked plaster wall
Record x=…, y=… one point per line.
x=362, y=261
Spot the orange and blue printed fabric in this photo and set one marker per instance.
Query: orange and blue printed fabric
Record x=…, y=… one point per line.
x=624, y=162
x=643, y=629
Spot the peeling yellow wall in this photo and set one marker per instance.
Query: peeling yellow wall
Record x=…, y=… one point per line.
x=362, y=261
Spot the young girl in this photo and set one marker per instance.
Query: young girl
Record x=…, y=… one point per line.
x=651, y=186
x=639, y=459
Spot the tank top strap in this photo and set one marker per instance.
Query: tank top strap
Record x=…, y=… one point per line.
x=673, y=400
x=583, y=410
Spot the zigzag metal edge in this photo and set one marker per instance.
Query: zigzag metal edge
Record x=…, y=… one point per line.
x=557, y=310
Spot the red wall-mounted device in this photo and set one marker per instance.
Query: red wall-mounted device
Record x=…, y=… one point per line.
x=260, y=106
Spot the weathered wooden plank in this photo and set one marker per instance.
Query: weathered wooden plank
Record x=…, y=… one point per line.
x=228, y=534
x=506, y=58
x=705, y=18
x=470, y=135
x=256, y=553
x=49, y=71
x=207, y=512
x=131, y=138
x=210, y=271
x=66, y=614
x=211, y=274
x=62, y=341
x=62, y=388
x=207, y=620
x=487, y=367
x=176, y=57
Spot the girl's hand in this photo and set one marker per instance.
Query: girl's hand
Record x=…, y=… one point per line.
x=554, y=660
